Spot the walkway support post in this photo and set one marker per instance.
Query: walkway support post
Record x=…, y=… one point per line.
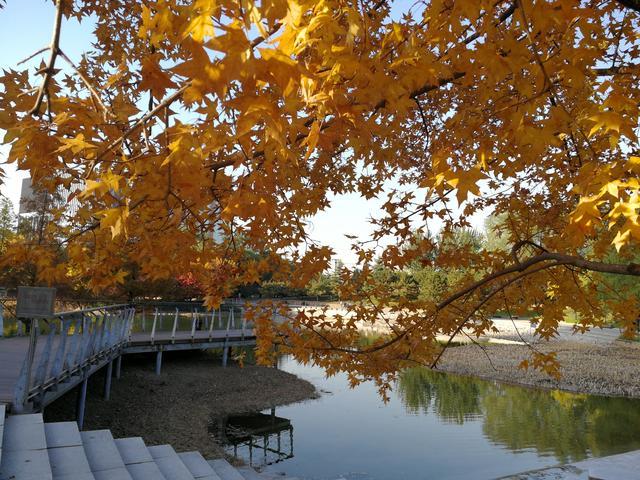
x=81, y=403
x=158, y=362
x=118, y=366
x=107, y=380
x=225, y=356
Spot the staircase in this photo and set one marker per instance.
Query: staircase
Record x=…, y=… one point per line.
x=33, y=450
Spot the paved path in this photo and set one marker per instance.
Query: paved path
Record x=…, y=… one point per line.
x=509, y=331
x=512, y=330
x=625, y=466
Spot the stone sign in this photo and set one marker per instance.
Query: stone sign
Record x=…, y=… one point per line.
x=35, y=302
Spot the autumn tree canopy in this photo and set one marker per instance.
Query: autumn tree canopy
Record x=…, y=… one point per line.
x=193, y=130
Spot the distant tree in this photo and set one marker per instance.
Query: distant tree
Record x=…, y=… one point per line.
x=323, y=285
x=7, y=222
x=497, y=233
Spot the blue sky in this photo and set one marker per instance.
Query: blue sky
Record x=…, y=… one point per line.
x=25, y=27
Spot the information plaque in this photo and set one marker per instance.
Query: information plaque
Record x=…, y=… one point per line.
x=35, y=302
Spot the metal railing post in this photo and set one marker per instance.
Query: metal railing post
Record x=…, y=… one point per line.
x=244, y=322
x=153, y=327
x=213, y=321
x=175, y=325
x=193, y=327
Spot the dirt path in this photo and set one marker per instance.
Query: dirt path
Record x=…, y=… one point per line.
x=178, y=406
x=587, y=368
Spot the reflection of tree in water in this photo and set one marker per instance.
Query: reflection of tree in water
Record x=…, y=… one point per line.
x=569, y=426
x=453, y=401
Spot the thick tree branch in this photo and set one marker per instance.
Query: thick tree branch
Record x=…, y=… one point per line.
x=53, y=48
x=521, y=269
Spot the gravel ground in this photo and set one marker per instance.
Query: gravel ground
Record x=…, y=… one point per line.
x=177, y=407
x=612, y=370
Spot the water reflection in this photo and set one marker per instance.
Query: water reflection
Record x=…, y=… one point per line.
x=258, y=438
x=569, y=426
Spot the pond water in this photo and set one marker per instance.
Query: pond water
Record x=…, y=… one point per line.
x=435, y=426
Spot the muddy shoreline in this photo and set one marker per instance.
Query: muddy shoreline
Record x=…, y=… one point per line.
x=178, y=406
x=610, y=370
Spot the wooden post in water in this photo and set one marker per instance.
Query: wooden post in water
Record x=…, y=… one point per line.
x=81, y=403
x=107, y=380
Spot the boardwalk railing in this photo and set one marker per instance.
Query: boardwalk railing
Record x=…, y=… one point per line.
x=196, y=320
x=74, y=344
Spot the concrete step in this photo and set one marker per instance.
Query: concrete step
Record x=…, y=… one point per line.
x=224, y=469
x=24, y=449
x=138, y=460
x=170, y=463
x=249, y=473
x=133, y=450
x=33, y=450
x=198, y=466
x=623, y=466
x=103, y=454
x=69, y=462
x=276, y=476
x=24, y=432
x=66, y=453
x=62, y=434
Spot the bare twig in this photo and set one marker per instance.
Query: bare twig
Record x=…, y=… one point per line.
x=87, y=83
x=118, y=141
x=38, y=52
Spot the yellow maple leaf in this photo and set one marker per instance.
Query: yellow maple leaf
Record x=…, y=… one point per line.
x=76, y=144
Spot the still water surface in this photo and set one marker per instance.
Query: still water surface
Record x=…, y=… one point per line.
x=435, y=426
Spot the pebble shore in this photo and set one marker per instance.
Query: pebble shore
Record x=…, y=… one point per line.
x=611, y=370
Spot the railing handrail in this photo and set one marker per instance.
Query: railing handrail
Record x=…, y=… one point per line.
x=75, y=342
x=94, y=309
x=97, y=333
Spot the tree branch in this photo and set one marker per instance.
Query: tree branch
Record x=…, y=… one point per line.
x=48, y=72
x=87, y=84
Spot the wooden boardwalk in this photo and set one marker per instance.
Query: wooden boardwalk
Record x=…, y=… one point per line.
x=13, y=352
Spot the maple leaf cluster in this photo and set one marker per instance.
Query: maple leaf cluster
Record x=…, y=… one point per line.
x=199, y=131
